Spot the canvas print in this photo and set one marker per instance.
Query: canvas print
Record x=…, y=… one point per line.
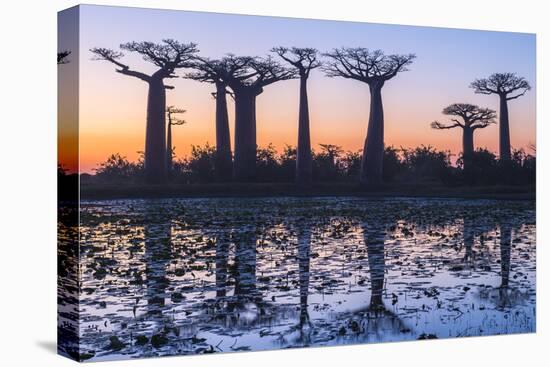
x=233, y=183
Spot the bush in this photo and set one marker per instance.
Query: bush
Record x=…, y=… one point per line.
x=421, y=165
x=425, y=163
x=118, y=168
x=200, y=166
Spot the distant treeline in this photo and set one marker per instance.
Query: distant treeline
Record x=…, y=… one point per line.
x=330, y=163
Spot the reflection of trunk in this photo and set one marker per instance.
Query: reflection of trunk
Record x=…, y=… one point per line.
x=373, y=151
x=374, y=240
x=224, y=165
x=157, y=256
x=468, y=233
x=467, y=146
x=155, y=138
x=504, y=130
x=303, y=153
x=505, y=250
x=244, y=168
x=304, y=248
x=245, y=264
x=222, y=253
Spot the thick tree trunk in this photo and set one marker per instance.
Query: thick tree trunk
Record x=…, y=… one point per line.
x=373, y=151
x=169, y=149
x=504, y=131
x=244, y=167
x=155, y=133
x=467, y=146
x=303, y=152
x=224, y=165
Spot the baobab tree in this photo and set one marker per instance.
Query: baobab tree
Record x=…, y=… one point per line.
x=507, y=86
x=303, y=60
x=171, y=113
x=375, y=69
x=469, y=118
x=167, y=57
x=213, y=71
x=247, y=77
x=62, y=57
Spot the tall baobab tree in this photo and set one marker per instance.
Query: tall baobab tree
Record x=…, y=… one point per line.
x=247, y=77
x=508, y=86
x=171, y=113
x=62, y=57
x=303, y=60
x=167, y=57
x=213, y=71
x=469, y=118
x=375, y=69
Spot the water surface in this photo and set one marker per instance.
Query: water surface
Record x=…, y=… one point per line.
x=188, y=276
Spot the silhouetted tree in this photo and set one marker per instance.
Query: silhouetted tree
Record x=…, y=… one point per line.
x=171, y=111
x=62, y=57
x=473, y=118
x=213, y=71
x=303, y=60
x=327, y=162
x=167, y=57
x=508, y=86
x=373, y=68
x=247, y=77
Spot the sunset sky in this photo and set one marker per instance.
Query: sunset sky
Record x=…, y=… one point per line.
x=112, y=106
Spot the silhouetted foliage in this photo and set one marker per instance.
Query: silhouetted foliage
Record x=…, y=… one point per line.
x=393, y=165
x=117, y=168
x=423, y=165
x=62, y=57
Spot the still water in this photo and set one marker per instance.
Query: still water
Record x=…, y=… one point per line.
x=188, y=276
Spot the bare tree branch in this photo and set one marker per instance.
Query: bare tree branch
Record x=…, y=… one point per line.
x=113, y=57
x=365, y=65
x=502, y=84
x=62, y=57
x=303, y=59
x=473, y=117
x=252, y=72
x=440, y=126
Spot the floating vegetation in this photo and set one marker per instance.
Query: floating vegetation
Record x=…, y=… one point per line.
x=189, y=276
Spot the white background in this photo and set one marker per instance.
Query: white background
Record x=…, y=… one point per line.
x=28, y=191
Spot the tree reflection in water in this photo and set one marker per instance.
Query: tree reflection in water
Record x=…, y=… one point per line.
x=179, y=277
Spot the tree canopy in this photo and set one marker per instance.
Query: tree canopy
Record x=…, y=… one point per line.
x=502, y=84
x=472, y=116
x=364, y=65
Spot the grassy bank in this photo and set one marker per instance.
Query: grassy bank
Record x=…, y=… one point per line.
x=98, y=191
